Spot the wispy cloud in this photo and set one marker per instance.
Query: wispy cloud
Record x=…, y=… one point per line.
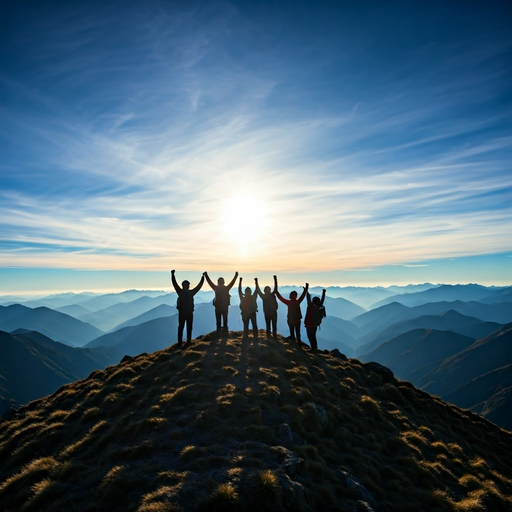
x=128, y=155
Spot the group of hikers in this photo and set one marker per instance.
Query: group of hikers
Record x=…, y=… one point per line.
x=248, y=306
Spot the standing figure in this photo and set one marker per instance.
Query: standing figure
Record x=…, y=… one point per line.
x=314, y=315
x=269, y=306
x=249, y=309
x=222, y=300
x=294, y=312
x=185, y=306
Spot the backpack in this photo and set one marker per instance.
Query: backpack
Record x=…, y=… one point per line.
x=248, y=304
x=185, y=301
x=270, y=304
x=317, y=315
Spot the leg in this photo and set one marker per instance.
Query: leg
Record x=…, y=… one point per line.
x=267, y=323
x=225, y=317
x=190, y=321
x=254, y=325
x=181, y=325
x=292, y=332
x=245, y=320
x=274, y=324
x=311, y=332
x=217, y=318
x=297, y=331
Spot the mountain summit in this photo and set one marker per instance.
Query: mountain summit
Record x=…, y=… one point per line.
x=255, y=425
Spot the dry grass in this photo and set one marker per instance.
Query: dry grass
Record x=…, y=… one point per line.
x=245, y=425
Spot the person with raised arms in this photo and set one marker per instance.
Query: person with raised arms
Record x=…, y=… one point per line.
x=314, y=316
x=294, y=313
x=222, y=300
x=185, y=306
x=270, y=305
x=249, y=309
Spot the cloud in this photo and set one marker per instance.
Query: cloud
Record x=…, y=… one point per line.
x=131, y=153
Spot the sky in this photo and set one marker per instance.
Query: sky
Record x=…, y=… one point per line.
x=337, y=142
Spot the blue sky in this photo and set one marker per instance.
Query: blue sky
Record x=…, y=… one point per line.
x=364, y=142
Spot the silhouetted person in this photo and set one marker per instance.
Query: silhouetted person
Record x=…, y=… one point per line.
x=269, y=300
x=314, y=315
x=185, y=306
x=249, y=309
x=294, y=312
x=222, y=300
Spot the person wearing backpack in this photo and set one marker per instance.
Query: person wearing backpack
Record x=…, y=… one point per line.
x=185, y=307
x=294, y=313
x=249, y=309
x=222, y=300
x=270, y=305
x=314, y=316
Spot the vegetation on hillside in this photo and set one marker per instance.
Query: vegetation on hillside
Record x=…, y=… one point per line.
x=250, y=425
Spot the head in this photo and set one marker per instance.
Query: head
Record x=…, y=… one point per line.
x=266, y=290
x=293, y=295
x=220, y=281
x=248, y=291
x=186, y=285
x=316, y=301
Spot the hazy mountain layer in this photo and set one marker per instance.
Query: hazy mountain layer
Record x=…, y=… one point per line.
x=32, y=366
x=55, y=325
x=233, y=425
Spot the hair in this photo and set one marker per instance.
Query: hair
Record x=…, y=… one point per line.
x=248, y=291
x=185, y=284
x=293, y=294
x=266, y=289
x=316, y=300
x=220, y=280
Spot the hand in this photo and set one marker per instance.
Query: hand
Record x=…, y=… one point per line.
x=275, y=278
x=307, y=285
x=256, y=280
x=205, y=274
x=240, y=280
x=324, y=290
x=172, y=272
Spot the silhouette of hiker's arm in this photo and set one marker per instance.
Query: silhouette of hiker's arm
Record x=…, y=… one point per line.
x=303, y=294
x=210, y=282
x=308, y=297
x=240, y=294
x=282, y=299
x=175, y=283
x=323, y=297
x=258, y=290
x=233, y=281
x=275, y=285
x=198, y=287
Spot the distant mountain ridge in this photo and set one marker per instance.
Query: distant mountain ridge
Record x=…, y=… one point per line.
x=55, y=325
x=32, y=366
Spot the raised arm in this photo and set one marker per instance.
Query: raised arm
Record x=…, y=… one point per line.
x=233, y=281
x=323, y=297
x=303, y=294
x=281, y=298
x=210, y=282
x=275, y=284
x=258, y=290
x=175, y=283
x=308, y=297
x=198, y=287
x=240, y=294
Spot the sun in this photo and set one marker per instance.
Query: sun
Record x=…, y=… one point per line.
x=244, y=221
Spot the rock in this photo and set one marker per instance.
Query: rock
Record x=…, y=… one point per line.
x=364, y=506
x=127, y=359
x=317, y=416
x=338, y=355
x=285, y=433
x=288, y=461
x=363, y=494
x=385, y=373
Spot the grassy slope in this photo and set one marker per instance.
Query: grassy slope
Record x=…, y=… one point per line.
x=232, y=425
